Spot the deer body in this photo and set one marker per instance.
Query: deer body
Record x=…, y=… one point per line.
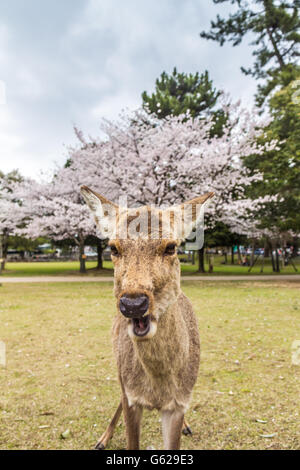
x=155, y=334
x=162, y=372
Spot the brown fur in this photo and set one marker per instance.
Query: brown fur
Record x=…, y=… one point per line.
x=157, y=371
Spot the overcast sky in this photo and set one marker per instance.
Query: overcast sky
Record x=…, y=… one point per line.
x=66, y=62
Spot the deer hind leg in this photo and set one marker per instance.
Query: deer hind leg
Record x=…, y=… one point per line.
x=132, y=417
x=108, y=434
x=186, y=429
x=172, y=423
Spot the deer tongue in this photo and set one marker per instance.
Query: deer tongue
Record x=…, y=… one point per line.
x=141, y=325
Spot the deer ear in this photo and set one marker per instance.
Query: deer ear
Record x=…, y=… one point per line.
x=190, y=215
x=197, y=202
x=103, y=210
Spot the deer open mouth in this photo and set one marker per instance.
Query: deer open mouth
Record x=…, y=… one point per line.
x=141, y=326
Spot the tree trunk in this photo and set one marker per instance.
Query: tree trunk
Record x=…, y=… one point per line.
x=201, y=267
x=4, y=254
x=99, y=255
x=210, y=263
x=3, y=251
x=232, y=254
x=267, y=250
x=252, y=253
x=296, y=247
x=277, y=261
x=82, y=268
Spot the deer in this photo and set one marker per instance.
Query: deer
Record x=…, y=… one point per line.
x=155, y=332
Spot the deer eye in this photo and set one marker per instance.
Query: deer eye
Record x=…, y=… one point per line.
x=170, y=249
x=114, y=250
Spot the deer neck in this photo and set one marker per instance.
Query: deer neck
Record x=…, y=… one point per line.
x=167, y=352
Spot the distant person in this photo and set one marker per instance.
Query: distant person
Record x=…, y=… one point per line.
x=245, y=261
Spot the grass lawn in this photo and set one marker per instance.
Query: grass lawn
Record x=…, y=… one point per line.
x=55, y=268
x=61, y=373
x=66, y=268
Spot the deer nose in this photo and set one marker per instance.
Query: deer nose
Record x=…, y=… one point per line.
x=133, y=307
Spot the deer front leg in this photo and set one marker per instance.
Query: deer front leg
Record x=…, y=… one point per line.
x=107, y=435
x=172, y=422
x=186, y=429
x=132, y=418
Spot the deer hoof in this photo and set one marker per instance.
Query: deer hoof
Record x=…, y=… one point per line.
x=100, y=446
x=187, y=431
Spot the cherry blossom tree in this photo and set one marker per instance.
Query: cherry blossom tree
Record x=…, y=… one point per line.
x=10, y=212
x=252, y=218
x=6, y=224
x=163, y=162
x=150, y=161
x=55, y=210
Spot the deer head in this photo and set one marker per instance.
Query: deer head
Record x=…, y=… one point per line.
x=144, y=245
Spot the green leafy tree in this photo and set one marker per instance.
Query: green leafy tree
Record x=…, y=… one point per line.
x=275, y=28
x=281, y=168
x=23, y=244
x=180, y=93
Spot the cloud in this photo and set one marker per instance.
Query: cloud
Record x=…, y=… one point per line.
x=75, y=62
